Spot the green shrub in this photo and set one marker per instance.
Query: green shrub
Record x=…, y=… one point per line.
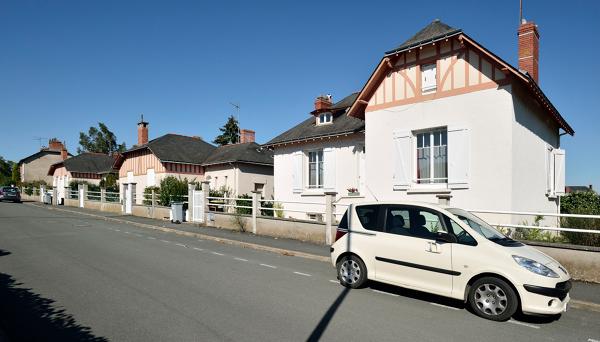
x=585, y=202
x=246, y=201
x=148, y=194
x=172, y=190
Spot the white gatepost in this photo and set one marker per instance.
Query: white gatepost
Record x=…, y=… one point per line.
x=81, y=188
x=42, y=192
x=256, y=196
x=329, y=215
x=129, y=192
x=197, y=207
x=190, y=215
x=55, y=196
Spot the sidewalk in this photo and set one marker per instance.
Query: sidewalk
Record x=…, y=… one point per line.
x=581, y=292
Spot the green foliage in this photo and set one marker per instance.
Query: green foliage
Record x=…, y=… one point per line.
x=265, y=212
x=245, y=201
x=279, y=209
x=585, y=202
x=6, y=167
x=229, y=132
x=100, y=140
x=172, y=190
x=534, y=234
x=148, y=194
x=29, y=186
x=109, y=182
x=16, y=175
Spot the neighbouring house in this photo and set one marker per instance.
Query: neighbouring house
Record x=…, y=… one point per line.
x=578, y=188
x=147, y=163
x=35, y=167
x=449, y=121
x=324, y=153
x=85, y=168
x=241, y=168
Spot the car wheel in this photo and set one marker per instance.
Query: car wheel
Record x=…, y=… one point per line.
x=352, y=272
x=493, y=299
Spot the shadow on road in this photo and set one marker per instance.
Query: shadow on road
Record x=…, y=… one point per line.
x=324, y=322
x=27, y=316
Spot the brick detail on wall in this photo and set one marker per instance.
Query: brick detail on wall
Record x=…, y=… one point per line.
x=529, y=43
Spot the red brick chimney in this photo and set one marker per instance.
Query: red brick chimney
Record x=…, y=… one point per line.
x=55, y=144
x=247, y=136
x=529, y=44
x=63, y=153
x=322, y=103
x=142, y=132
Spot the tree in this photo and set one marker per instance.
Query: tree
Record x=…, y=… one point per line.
x=100, y=140
x=229, y=133
x=16, y=174
x=5, y=171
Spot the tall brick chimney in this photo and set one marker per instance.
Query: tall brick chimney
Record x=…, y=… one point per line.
x=55, y=144
x=323, y=102
x=529, y=44
x=63, y=153
x=247, y=136
x=142, y=132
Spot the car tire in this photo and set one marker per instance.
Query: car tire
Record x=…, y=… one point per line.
x=493, y=298
x=352, y=272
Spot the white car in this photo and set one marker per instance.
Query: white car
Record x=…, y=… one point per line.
x=449, y=252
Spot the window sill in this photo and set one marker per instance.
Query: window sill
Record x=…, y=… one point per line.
x=317, y=193
x=441, y=191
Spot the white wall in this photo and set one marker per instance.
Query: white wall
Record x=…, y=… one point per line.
x=346, y=174
x=221, y=176
x=249, y=174
x=142, y=182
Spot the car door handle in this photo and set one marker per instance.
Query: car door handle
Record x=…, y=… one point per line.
x=433, y=247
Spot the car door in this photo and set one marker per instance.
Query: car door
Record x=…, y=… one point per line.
x=408, y=253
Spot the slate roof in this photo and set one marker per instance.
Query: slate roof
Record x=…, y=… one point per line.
x=309, y=129
x=177, y=148
x=86, y=163
x=435, y=30
x=40, y=154
x=250, y=153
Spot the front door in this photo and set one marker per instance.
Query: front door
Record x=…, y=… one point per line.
x=408, y=254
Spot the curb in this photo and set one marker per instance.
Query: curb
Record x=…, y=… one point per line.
x=250, y=245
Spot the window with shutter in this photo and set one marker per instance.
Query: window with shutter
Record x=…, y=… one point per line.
x=428, y=78
x=459, y=157
x=402, y=156
x=329, y=168
x=297, y=171
x=559, y=172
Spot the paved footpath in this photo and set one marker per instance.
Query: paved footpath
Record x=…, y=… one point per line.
x=70, y=276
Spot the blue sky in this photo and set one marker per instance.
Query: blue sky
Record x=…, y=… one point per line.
x=65, y=65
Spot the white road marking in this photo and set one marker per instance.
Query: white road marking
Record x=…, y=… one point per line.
x=523, y=324
x=303, y=274
x=592, y=340
x=200, y=240
x=151, y=238
x=180, y=244
x=444, y=306
x=139, y=235
x=165, y=241
x=127, y=232
x=217, y=253
x=241, y=259
x=198, y=249
x=117, y=230
x=385, y=293
x=334, y=281
x=269, y=266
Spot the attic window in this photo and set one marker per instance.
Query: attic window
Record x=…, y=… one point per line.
x=428, y=78
x=324, y=118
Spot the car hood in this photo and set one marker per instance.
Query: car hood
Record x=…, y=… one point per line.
x=533, y=254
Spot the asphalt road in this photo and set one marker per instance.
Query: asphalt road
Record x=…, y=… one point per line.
x=69, y=277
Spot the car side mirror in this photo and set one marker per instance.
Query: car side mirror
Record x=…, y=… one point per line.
x=445, y=237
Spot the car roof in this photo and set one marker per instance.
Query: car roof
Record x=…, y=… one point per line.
x=426, y=204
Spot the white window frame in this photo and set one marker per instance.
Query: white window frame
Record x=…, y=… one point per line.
x=431, y=183
x=319, y=182
x=432, y=86
x=324, y=119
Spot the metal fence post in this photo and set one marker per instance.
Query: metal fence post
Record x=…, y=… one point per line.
x=329, y=212
x=102, y=195
x=255, y=205
x=191, y=187
x=153, y=201
x=206, y=194
x=67, y=193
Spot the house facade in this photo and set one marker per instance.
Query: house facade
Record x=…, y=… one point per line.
x=324, y=153
x=448, y=121
x=85, y=167
x=149, y=162
x=241, y=168
x=35, y=167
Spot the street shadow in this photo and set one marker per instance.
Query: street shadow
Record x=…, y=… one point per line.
x=328, y=316
x=27, y=316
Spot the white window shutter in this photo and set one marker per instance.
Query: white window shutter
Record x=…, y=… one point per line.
x=459, y=157
x=549, y=170
x=329, y=168
x=297, y=171
x=559, y=171
x=402, y=157
x=150, y=177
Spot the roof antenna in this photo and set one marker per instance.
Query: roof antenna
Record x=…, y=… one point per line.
x=237, y=110
x=520, y=12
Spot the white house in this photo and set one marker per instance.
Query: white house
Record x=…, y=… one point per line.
x=323, y=153
x=446, y=120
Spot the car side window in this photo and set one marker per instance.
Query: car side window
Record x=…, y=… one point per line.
x=462, y=236
x=344, y=221
x=413, y=221
x=369, y=217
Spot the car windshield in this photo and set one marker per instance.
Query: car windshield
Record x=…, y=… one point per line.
x=479, y=225
x=9, y=189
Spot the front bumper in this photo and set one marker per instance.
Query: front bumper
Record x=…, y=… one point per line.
x=546, y=300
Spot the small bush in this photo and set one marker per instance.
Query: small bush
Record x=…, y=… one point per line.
x=246, y=201
x=148, y=194
x=265, y=212
x=585, y=202
x=172, y=190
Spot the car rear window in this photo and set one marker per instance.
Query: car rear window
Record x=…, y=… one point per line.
x=344, y=221
x=369, y=217
x=13, y=190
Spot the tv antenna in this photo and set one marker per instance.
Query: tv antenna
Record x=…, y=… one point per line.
x=237, y=117
x=39, y=139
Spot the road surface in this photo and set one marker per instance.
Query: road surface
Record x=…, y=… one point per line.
x=65, y=277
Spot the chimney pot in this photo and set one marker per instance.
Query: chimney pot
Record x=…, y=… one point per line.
x=55, y=144
x=247, y=136
x=142, y=132
x=529, y=44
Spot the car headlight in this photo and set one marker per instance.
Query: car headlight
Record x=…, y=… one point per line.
x=535, y=267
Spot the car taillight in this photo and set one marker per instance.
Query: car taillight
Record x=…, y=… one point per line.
x=339, y=233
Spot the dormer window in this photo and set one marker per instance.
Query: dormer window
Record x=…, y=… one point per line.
x=324, y=118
